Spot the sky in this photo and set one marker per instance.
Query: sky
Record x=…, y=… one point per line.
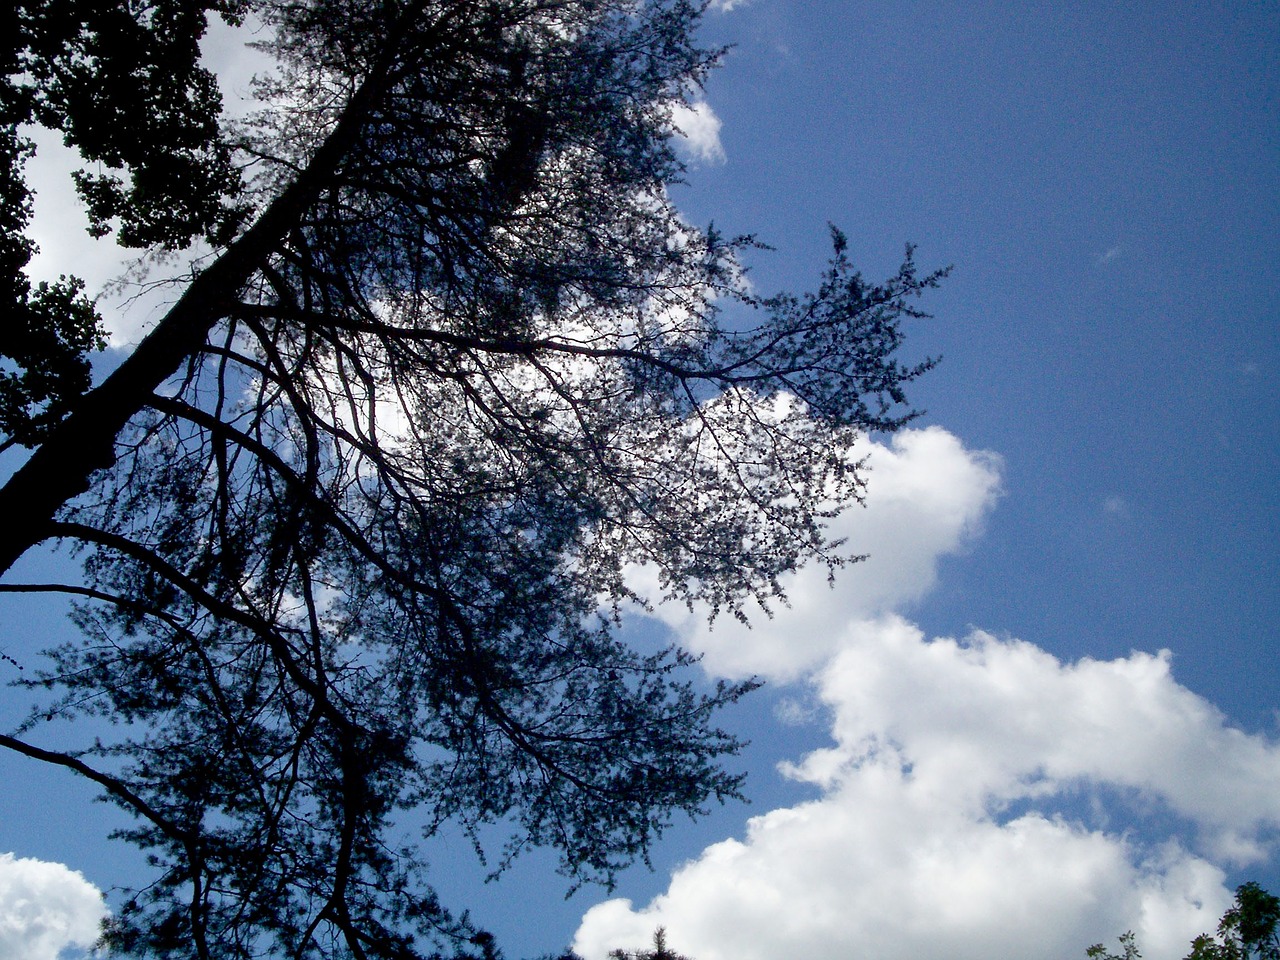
x=1045, y=711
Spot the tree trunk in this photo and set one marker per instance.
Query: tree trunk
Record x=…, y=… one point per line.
x=60, y=469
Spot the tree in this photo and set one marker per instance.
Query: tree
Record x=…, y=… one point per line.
x=90, y=70
x=356, y=516
x=1247, y=931
x=659, y=951
x=1128, y=946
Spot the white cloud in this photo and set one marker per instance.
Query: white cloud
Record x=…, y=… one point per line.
x=699, y=131
x=996, y=721
x=980, y=798
x=926, y=495
x=946, y=828
x=45, y=908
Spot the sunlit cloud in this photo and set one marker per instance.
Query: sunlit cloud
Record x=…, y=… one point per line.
x=45, y=909
x=980, y=798
x=978, y=802
x=699, y=131
x=927, y=497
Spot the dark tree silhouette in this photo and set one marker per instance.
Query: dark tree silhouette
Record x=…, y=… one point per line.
x=356, y=516
x=1247, y=931
x=123, y=84
x=660, y=950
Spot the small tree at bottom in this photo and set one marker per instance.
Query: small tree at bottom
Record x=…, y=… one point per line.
x=1247, y=931
x=660, y=950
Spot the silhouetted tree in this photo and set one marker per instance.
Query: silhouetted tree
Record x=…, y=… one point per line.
x=124, y=85
x=1128, y=946
x=1247, y=931
x=660, y=950
x=356, y=516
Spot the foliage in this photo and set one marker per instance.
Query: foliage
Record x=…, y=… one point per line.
x=357, y=517
x=49, y=330
x=1128, y=946
x=123, y=84
x=1247, y=931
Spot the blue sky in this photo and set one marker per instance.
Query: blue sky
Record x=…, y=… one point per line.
x=1096, y=481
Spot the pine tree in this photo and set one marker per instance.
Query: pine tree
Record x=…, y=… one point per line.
x=357, y=516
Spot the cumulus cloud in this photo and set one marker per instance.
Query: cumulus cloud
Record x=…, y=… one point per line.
x=980, y=798
x=965, y=814
x=926, y=496
x=699, y=131
x=45, y=908
x=1124, y=724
